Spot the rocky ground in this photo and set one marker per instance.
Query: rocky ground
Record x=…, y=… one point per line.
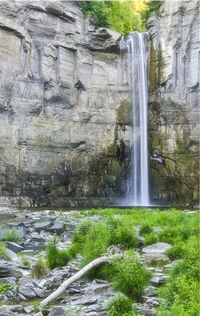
x=83, y=297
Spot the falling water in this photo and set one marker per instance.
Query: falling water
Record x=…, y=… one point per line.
x=135, y=49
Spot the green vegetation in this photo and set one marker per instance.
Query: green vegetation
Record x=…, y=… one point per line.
x=121, y=16
x=39, y=269
x=12, y=235
x=145, y=229
x=26, y=262
x=36, y=306
x=120, y=305
x=181, y=292
x=2, y=246
x=129, y=275
x=57, y=258
x=150, y=239
x=4, y=286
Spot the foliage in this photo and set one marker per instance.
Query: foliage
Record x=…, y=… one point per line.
x=130, y=276
x=57, y=258
x=36, y=306
x=121, y=16
x=145, y=229
x=39, y=269
x=94, y=238
x=12, y=235
x=150, y=239
x=26, y=262
x=152, y=8
x=176, y=252
x=2, y=246
x=99, y=10
x=181, y=292
x=119, y=305
x=4, y=286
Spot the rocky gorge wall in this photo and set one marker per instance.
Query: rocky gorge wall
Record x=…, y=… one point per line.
x=174, y=102
x=64, y=128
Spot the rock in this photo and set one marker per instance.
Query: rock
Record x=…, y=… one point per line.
x=150, y=290
x=14, y=247
x=58, y=311
x=9, y=270
x=70, y=142
x=173, y=101
x=29, y=309
x=26, y=291
x=57, y=228
x=158, y=279
x=42, y=226
x=155, y=252
x=159, y=247
x=9, y=310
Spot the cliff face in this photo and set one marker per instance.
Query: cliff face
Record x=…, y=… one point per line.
x=174, y=101
x=64, y=131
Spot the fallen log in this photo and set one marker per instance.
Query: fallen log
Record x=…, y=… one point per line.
x=73, y=278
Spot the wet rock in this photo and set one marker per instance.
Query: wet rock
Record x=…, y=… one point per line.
x=9, y=270
x=10, y=255
x=14, y=247
x=42, y=226
x=9, y=310
x=85, y=301
x=158, y=279
x=28, y=309
x=155, y=252
x=58, y=311
x=27, y=292
x=150, y=290
x=57, y=228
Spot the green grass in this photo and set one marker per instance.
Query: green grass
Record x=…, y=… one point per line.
x=58, y=258
x=12, y=235
x=120, y=305
x=181, y=292
x=4, y=287
x=39, y=269
x=2, y=247
x=26, y=262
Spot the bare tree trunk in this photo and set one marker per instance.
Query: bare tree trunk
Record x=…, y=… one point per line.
x=73, y=278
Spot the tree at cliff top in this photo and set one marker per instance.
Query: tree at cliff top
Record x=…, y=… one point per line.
x=121, y=16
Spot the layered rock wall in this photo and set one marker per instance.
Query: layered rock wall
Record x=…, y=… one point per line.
x=174, y=102
x=63, y=134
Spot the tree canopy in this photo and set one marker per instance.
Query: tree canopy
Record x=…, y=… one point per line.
x=121, y=16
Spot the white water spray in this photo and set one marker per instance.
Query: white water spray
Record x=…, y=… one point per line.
x=135, y=47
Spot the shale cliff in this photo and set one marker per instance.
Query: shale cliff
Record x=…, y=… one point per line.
x=174, y=102
x=64, y=128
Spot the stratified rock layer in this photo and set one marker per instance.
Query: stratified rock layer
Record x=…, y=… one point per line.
x=63, y=140
x=174, y=102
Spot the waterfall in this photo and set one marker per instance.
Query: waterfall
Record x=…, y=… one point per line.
x=135, y=50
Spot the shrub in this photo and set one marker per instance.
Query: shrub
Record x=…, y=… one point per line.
x=176, y=252
x=119, y=305
x=121, y=232
x=39, y=269
x=181, y=291
x=2, y=246
x=150, y=239
x=58, y=258
x=81, y=231
x=145, y=229
x=130, y=276
x=12, y=235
